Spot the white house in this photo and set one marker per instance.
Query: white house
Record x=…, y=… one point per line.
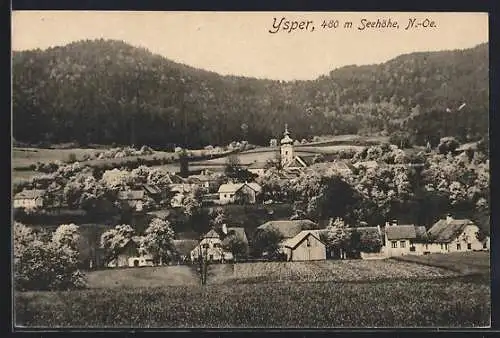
x=210, y=247
x=234, y=192
x=29, y=199
x=456, y=235
x=305, y=246
x=404, y=240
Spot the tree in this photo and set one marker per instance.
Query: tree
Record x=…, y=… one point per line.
x=158, y=240
x=234, y=244
x=267, y=242
x=218, y=218
x=40, y=265
x=235, y=172
x=447, y=145
x=335, y=237
x=114, y=239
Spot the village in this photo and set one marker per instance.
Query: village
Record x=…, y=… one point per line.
x=295, y=238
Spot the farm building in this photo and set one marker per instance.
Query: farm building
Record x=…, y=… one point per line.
x=288, y=228
x=133, y=198
x=129, y=257
x=456, y=235
x=405, y=239
x=305, y=246
x=29, y=199
x=239, y=192
x=205, y=181
x=210, y=247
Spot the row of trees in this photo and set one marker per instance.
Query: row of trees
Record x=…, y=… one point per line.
x=108, y=92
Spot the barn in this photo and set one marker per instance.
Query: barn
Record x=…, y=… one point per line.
x=305, y=246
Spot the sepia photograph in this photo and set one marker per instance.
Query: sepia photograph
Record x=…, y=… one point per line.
x=239, y=170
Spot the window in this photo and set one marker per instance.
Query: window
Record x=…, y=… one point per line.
x=402, y=244
x=469, y=246
x=205, y=246
x=308, y=242
x=286, y=152
x=394, y=244
x=485, y=246
x=216, y=245
x=412, y=248
x=426, y=246
x=446, y=246
x=442, y=246
x=458, y=246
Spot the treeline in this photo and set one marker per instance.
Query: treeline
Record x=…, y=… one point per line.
x=106, y=91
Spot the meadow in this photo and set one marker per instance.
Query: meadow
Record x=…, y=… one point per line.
x=403, y=303
x=351, y=293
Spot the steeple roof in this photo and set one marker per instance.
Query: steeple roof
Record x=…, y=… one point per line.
x=286, y=136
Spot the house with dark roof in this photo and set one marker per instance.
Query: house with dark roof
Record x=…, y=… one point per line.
x=457, y=235
x=404, y=239
x=29, y=199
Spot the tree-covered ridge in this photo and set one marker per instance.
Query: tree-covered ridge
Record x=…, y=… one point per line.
x=106, y=91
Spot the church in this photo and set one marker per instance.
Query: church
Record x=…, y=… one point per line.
x=288, y=158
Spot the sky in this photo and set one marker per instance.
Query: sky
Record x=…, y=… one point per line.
x=240, y=43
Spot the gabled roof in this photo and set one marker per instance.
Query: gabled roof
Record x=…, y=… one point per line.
x=366, y=233
x=421, y=233
x=30, y=194
x=131, y=195
x=211, y=234
x=176, y=179
x=396, y=232
x=292, y=243
x=255, y=186
x=444, y=231
x=230, y=187
x=184, y=246
x=288, y=228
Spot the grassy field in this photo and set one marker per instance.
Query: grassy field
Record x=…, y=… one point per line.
x=462, y=262
x=409, y=303
x=143, y=277
x=321, y=271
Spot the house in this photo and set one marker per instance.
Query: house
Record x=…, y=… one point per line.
x=183, y=248
x=305, y=246
x=456, y=235
x=258, y=168
x=29, y=199
x=179, y=184
x=288, y=228
x=133, y=198
x=288, y=158
x=404, y=239
x=129, y=256
x=208, y=182
x=239, y=192
x=210, y=248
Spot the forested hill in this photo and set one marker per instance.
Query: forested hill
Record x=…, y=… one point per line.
x=106, y=91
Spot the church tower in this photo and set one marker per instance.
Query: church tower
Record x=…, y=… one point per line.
x=287, y=155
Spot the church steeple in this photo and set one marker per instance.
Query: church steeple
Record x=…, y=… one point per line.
x=287, y=155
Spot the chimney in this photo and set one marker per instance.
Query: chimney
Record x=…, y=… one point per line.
x=449, y=218
x=394, y=222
